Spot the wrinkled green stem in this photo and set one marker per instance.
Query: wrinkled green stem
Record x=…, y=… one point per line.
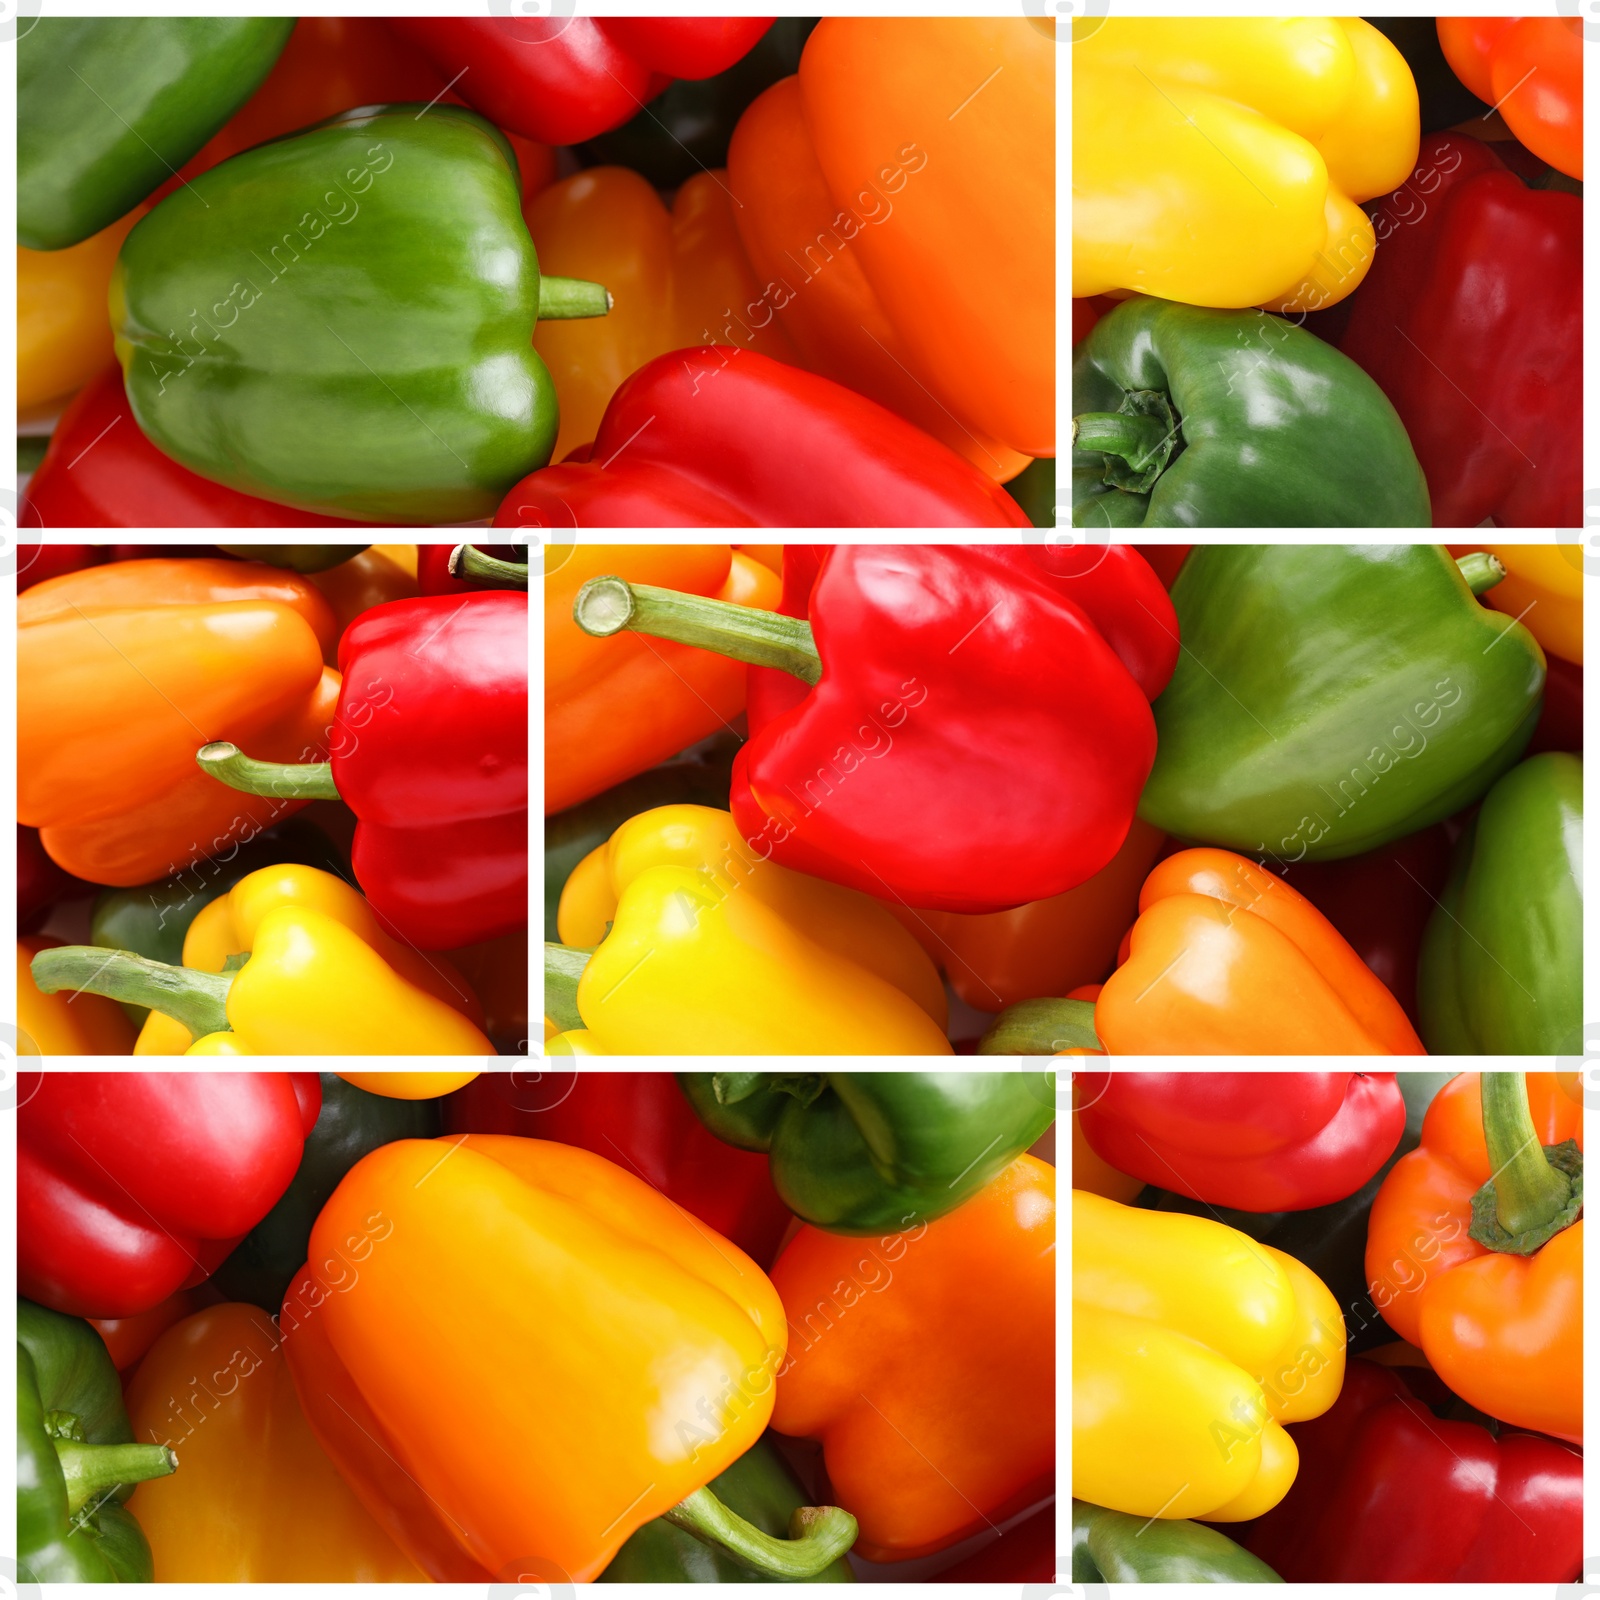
x=467, y=561
x=1041, y=1028
x=1481, y=570
x=228, y=764
x=1533, y=1192
x=818, y=1536
x=564, y=298
x=92, y=1471
x=196, y=999
x=1136, y=439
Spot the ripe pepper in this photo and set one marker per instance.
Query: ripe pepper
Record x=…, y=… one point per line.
x=927, y=1440
x=383, y=372
x=1475, y=1248
x=1501, y=971
x=40, y=882
x=1444, y=99
x=1112, y=1547
x=862, y=1152
x=1219, y=162
x=132, y=1185
x=379, y=574
x=1350, y=694
x=76, y=1459
x=497, y=973
x=430, y=750
x=653, y=1380
x=689, y=441
x=127, y=1339
x=321, y=978
x=64, y=1025
x=1025, y=1553
x=256, y=1500
x=36, y=562
x=643, y=1121
x=1471, y=322
x=745, y=955
x=1530, y=69
x=108, y=106
x=1184, y=418
x=1543, y=588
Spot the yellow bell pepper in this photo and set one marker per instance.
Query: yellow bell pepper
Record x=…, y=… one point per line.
x=1219, y=161
x=714, y=950
x=409, y=1085
x=65, y=1024
x=1192, y=1345
x=1543, y=589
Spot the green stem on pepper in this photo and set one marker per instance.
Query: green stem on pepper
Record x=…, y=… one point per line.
x=228, y=764
x=1481, y=570
x=561, y=299
x=467, y=561
x=92, y=1471
x=196, y=999
x=818, y=1536
x=1535, y=1190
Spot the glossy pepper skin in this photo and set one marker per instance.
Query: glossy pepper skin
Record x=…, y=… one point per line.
x=709, y=460
x=1191, y=418
x=1471, y=322
x=256, y=1500
x=1112, y=1547
x=1542, y=588
x=1272, y=1141
x=109, y=107
x=1178, y=1322
x=1351, y=694
x=1531, y=70
x=1313, y=113
x=866, y=1152
x=73, y=1443
x=1502, y=960
x=61, y=1024
x=133, y=1185
x=1444, y=100
x=927, y=1440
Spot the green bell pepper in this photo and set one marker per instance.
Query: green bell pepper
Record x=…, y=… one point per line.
x=76, y=1459
x=341, y=320
x=1192, y=418
x=297, y=557
x=870, y=1152
x=1112, y=1547
x=1330, y=698
x=351, y=1124
x=108, y=108
x=1501, y=971
x=762, y=1490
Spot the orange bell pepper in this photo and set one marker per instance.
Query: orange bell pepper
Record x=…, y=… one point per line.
x=124, y=671
x=925, y=1363
x=64, y=1024
x=614, y=707
x=676, y=280
x=257, y=1501
x=127, y=1338
x=1498, y=1314
x=898, y=205
x=1543, y=589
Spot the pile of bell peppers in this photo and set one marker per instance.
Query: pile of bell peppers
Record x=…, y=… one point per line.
x=439, y=271
x=272, y=800
x=1051, y=799
x=1327, y=272
x=738, y=1327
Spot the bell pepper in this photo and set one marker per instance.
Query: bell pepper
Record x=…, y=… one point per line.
x=689, y=441
x=1192, y=1346
x=133, y=1185
x=76, y=1459
x=1112, y=1547
x=64, y=1025
x=434, y=574
x=408, y=1085
x=1444, y=99
x=1502, y=959
x=745, y=955
x=1530, y=69
x=429, y=748
x=1219, y=162
x=321, y=978
x=1258, y=1141
x=1186, y=418
x=128, y=1339
x=864, y=1152
x=40, y=882
x=616, y=707
x=929, y=1439
x=1471, y=322
x=654, y=1378
x=1561, y=716
x=1543, y=588
x=107, y=107
x=256, y=1500
x=36, y=562
x=1025, y=1553
x=836, y=749
x=1475, y=1249
x=1092, y=1171
x=1350, y=695
x=1034, y=489
x=1390, y=1493
x=643, y=1121
x=563, y=79
x=373, y=578
x=331, y=370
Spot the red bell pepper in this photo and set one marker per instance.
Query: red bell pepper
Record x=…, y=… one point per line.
x=1561, y=716
x=719, y=437
x=1471, y=322
x=562, y=80
x=133, y=1185
x=1253, y=1141
x=40, y=882
x=36, y=562
x=643, y=1122
x=1530, y=69
x=1389, y=1493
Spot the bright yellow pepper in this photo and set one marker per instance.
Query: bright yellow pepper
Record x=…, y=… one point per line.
x=1192, y=1345
x=1219, y=161
x=1543, y=589
x=409, y=1085
x=713, y=950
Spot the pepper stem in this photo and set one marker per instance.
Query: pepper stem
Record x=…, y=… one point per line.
x=1534, y=1192
x=561, y=298
x=228, y=764
x=818, y=1536
x=606, y=606
x=1041, y=1028
x=563, y=966
x=196, y=999
x=1481, y=570
x=92, y=1471
x=467, y=561
x=1136, y=439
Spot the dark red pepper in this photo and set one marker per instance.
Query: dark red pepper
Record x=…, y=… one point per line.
x=40, y=882
x=1023, y=1554
x=36, y=562
x=1561, y=716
